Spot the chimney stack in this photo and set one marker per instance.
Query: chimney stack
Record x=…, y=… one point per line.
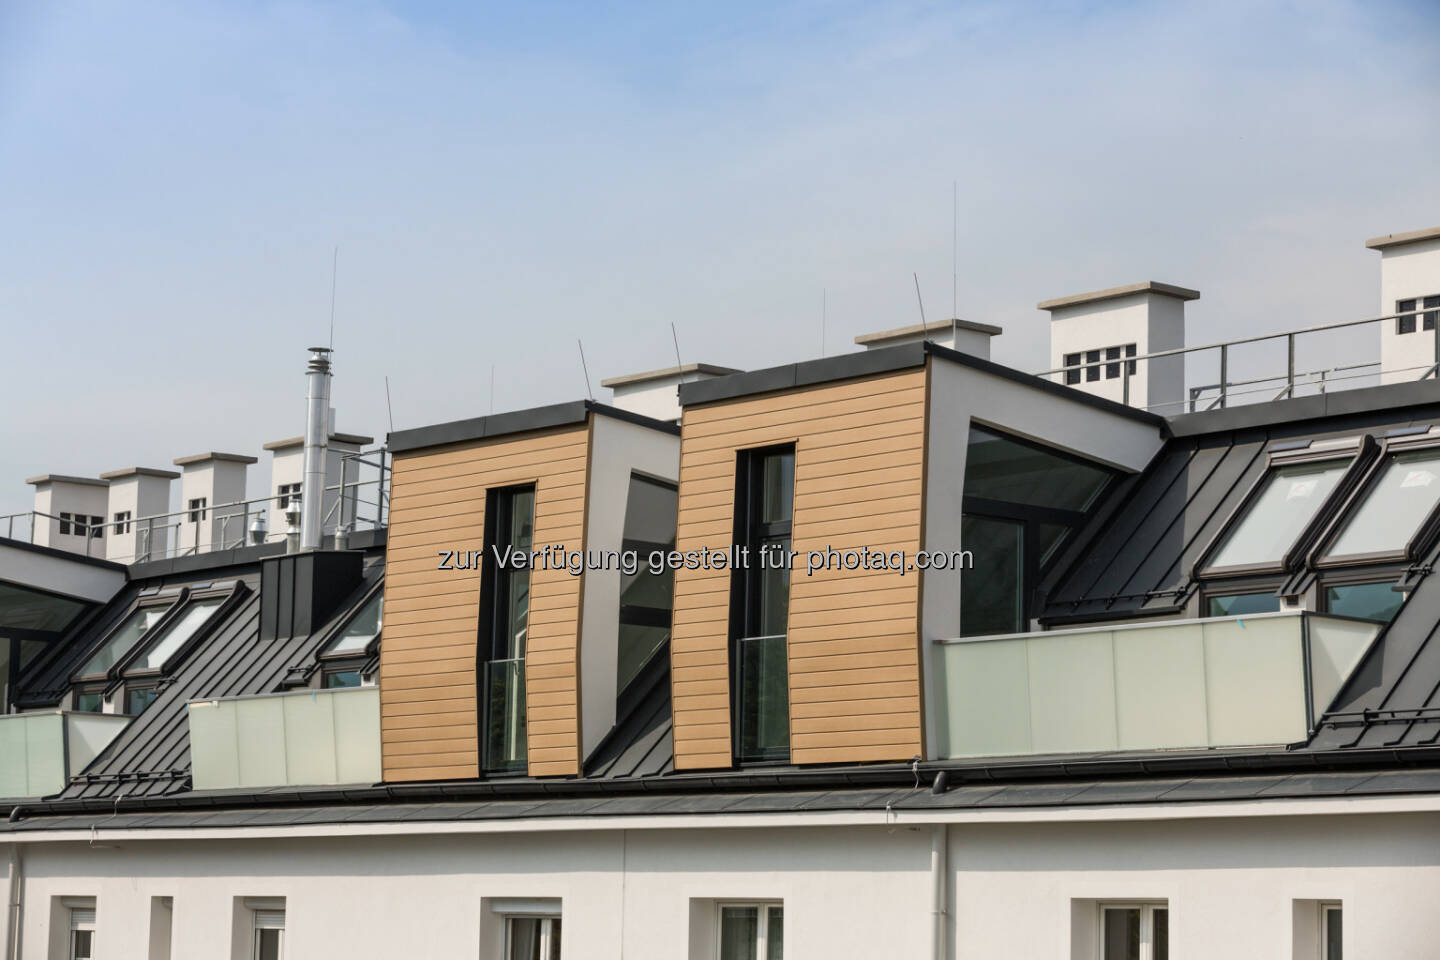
x=1409, y=281
x=1092, y=334
x=656, y=393
x=317, y=438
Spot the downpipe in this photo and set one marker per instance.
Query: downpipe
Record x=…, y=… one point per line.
x=12, y=912
x=939, y=870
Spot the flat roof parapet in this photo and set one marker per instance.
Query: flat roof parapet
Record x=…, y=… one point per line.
x=1400, y=239
x=62, y=478
x=705, y=369
x=1114, y=293
x=125, y=472
x=354, y=438
x=939, y=327
x=213, y=455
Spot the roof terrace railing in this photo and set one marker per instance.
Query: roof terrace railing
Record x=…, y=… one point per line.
x=1226, y=392
x=1164, y=685
x=359, y=502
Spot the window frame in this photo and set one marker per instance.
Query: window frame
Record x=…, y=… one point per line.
x=746, y=596
x=1357, y=578
x=138, y=686
x=1359, y=455
x=499, y=512
x=1235, y=588
x=1147, y=910
x=548, y=921
x=78, y=925
x=639, y=616
x=762, y=925
x=227, y=594
x=1426, y=531
x=171, y=602
x=1326, y=907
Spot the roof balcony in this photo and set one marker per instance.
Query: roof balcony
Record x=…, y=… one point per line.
x=301, y=738
x=1179, y=684
x=40, y=752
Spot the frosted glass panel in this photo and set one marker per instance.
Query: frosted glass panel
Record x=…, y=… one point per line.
x=1275, y=518
x=987, y=711
x=1255, y=680
x=1072, y=693
x=1160, y=686
x=1336, y=647
x=33, y=750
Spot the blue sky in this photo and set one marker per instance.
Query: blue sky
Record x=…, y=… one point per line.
x=504, y=179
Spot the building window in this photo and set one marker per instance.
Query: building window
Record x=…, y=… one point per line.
x=760, y=603
x=90, y=700
x=337, y=676
x=1402, y=495
x=65, y=523
x=82, y=933
x=1022, y=503
x=1092, y=370
x=286, y=492
x=1431, y=306
x=1134, y=931
x=1072, y=368
x=646, y=597
x=195, y=615
x=1331, y=941
x=1284, y=506
x=121, y=639
x=122, y=521
x=197, y=509
x=1377, y=601
x=505, y=610
x=532, y=938
x=97, y=527
x=269, y=934
x=138, y=696
x=752, y=931
x=1242, y=604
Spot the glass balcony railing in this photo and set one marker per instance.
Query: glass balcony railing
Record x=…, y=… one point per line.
x=300, y=738
x=763, y=724
x=1221, y=682
x=505, y=716
x=40, y=752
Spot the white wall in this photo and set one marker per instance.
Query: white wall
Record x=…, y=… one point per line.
x=56, y=497
x=848, y=891
x=143, y=496
x=617, y=448
x=220, y=482
x=958, y=395
x=1152, y=321
x=1406, y=271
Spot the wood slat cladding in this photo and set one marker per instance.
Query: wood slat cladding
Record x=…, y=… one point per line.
x=853, y=636
x=429, y=714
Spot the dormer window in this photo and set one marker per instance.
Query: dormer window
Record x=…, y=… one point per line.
x=122, y=639
x=1398, y=500
x=343, y=660
x=505, y=613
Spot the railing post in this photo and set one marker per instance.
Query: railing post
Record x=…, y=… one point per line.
x=1436, y=361
x=1125, y=382
x=1224, y=370
x=1290, y=365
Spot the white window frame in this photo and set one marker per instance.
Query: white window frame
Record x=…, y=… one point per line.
x=1322, y=938
x=266, y=914
x=1147, y=910
x=547, y=931
x=81, y=919
x=762, y=927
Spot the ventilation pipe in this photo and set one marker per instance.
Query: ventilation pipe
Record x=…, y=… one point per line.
x=317, y=441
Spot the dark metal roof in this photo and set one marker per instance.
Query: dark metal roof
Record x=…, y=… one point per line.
x=518, y=421
x=877, y=800
x=1134, y=559
x=641, y=744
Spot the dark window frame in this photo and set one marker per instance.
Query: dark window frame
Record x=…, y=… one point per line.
x=152, y=683
x=492, y=644
x=1238, y=588
x=1392, y=574
x=751, y=532
x=338, y=665
x=642, y=616
x=170, y=602
x=1359, y=457
x=87, y=689
x=1427, y=531
x=228, y=594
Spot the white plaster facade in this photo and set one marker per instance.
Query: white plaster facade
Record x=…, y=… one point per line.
x=59, y=500
x=1236, y=878
x=287, y=469
x=656, y=393
x=219, y=480
x=134, y=493
x=1409, y=270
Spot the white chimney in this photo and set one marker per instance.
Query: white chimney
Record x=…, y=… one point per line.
x=287, y=473
x=656, y=393
x=317, y=436
x=137, y=492
x=963, y=336
x=1092, y=334
x=74, y=509
x=209, y=482
x=1409, y=280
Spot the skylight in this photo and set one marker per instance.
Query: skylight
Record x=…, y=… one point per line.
x=360, y=630
x=121, y=639
x=184, y=627
x=1288, y=502
x=1402, y=496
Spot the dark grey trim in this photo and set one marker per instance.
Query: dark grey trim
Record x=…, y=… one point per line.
x=517, y=421
x=63, y=555
x=1388, y=398
x=213, y=560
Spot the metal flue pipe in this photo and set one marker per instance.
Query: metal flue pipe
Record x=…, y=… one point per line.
x=317, y=442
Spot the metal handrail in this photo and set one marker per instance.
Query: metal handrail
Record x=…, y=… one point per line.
x=1223, y=387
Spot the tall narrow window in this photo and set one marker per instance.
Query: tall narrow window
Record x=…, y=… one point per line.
x=532, y=938
x=269, y=942
x=82, y=933
x=646, y=597
x=122, y=521
x=760, y=607
x=505, y=602
x=752, y=931
x=1139, y=931
x=1331, y=946
x=1405, y=324
x=197, y=509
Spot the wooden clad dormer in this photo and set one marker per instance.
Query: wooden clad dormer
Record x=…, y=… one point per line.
x=555, y=477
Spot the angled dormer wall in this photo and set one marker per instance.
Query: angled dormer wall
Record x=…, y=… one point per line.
x=444, y=712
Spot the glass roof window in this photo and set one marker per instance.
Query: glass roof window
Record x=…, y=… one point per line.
x=25, y=609
x=362, y=628
x=998, y=468
x=1403, y=494
x=1288, y=501
x=191, y=619
x=122, y=639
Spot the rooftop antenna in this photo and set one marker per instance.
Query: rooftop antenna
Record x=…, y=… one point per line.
x=954, y=250
x=492, y=388
x=923, y=324
x=334, y=269
x=389, y=409
x=585, y=368
x=823, y=305
x=676, y=340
